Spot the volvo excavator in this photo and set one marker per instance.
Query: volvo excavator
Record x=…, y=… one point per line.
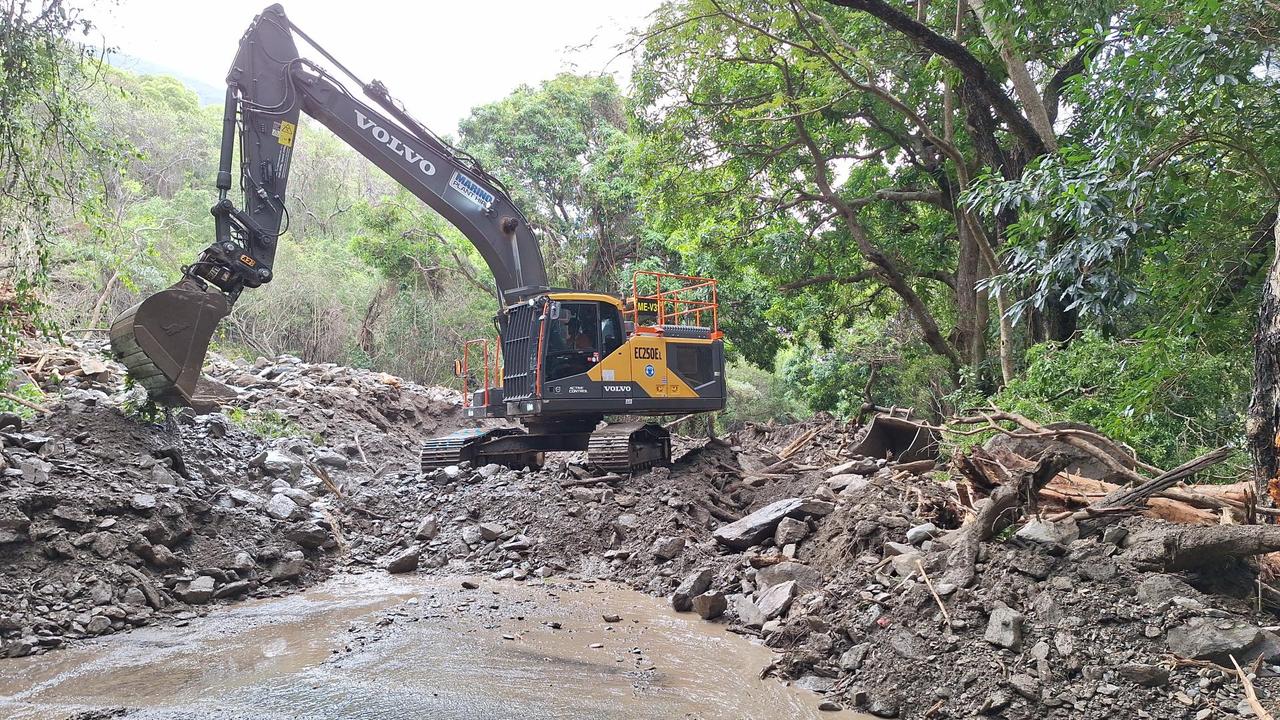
x=569, y=358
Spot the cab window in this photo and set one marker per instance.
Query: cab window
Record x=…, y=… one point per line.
x=573, y=338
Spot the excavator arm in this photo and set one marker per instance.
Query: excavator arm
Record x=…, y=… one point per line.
x=163, y=340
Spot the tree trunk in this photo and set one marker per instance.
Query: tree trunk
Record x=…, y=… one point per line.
x=1264, y=406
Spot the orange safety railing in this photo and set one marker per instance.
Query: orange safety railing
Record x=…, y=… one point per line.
x=676, y=300
x=491, y=364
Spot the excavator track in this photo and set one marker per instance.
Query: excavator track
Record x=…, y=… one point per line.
x=629, y=447
x=458, y=447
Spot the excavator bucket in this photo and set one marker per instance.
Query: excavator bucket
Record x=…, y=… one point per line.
x=163, y=339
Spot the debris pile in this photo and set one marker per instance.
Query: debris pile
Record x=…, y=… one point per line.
x=1016, y=581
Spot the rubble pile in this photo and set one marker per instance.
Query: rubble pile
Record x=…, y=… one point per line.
x=862, y=572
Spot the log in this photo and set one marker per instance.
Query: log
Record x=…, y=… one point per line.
x=1179, y=547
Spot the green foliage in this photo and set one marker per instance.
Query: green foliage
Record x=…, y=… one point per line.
x=26, y=391
x=1169, y=398
x=269, y=424
x=47, y=153
x=757, y=395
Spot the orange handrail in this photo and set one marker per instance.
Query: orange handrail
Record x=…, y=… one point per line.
x=682, y=304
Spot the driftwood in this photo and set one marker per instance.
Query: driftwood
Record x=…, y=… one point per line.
x=1139, y=495
x=575, y=482
x=1017, y=481
x=1179, y=547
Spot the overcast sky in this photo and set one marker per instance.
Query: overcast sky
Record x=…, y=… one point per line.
x=439, y=58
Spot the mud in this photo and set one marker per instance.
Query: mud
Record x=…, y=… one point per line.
x=372, y=646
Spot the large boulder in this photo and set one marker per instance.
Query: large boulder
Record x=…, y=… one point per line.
x=775, y=600
x=806, y=578
x=754, y=528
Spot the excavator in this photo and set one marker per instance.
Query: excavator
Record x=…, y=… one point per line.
x=568, y=358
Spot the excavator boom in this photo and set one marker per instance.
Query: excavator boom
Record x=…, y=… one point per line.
x=164, y=339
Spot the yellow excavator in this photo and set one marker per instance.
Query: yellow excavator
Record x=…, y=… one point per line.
x=569, y=358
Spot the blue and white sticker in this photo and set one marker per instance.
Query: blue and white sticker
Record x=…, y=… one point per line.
x=471, y=190
x=648, y=370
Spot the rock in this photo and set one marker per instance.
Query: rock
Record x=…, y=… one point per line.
x=1146, y=675
x=830, y=706
x=710, y=605
x=14, y=525
x=692, y=586
x=472, y=535
x=72, y=515
x=815, y=683
x=892, y=549
x=1025, y=685
x=161, y=475
x=243, y=562
x=98, y=625
x=143, y=501
x=157, y=555
x=290, y=567
x=858, y=466
x=307, y=534
x=329, y=458
x=1204, y=638
x=1160, y=590
x=197, y=591
x=790, y=530
x=278, y=464
x=134, y=596
x=470, y=585
x=1046, y=532
x=906, y=565
x=807, y=579
x=490, y=470
x=406, y=560
x=752, y=529
x=853, y=658
x=243, y=497
x=775, y=601
x=1004, y=628
x=234, y=588
x=427, y=529
x=667, y=548
x=491, y=531
x=748, y=614
x=282, y=507
x=611, y=618
x=920, y=533
x=301, y=497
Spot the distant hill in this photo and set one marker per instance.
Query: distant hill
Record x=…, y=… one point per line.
x=208, y=94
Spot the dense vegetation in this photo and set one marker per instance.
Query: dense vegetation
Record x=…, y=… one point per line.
x=1067, y=209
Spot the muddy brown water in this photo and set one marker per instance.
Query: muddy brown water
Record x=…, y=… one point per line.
x=384, y=647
